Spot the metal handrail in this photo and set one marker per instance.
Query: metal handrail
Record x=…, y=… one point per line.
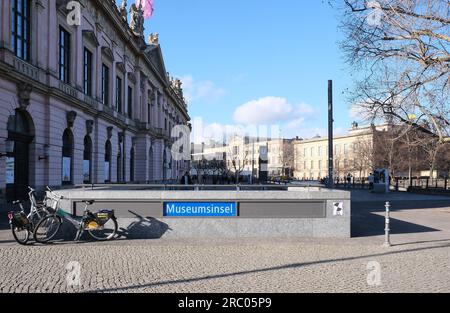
x=194, y=187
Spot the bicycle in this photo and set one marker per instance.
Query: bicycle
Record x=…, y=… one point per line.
x=101, y=225
x=21, y=224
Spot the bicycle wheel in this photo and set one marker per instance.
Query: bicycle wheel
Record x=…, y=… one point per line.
x=47, y=228
x=20, y=234
x=107, y=232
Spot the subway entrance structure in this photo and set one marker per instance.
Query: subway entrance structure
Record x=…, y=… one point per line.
x=228, y=212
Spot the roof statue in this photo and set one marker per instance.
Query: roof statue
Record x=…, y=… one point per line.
x=123, y=10
x=137, y=20
x=153, y=38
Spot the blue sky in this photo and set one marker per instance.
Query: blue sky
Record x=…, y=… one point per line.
x=256, y=61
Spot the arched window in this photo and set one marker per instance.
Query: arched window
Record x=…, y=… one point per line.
x=132, y=165
x=20, y=131
x=108, y=158
x=165, y=165
x=67, y=157
x=119, y=167
x=87, y=160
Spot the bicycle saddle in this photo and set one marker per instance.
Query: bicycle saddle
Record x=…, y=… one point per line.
x=17, y=202
x=89, y=202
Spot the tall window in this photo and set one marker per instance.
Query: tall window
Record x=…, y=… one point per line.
x=119, y=166
x=149, y=112
x=67, y=157
x=105, y=84
x=130, y=102
x=132, y=165
x=64, y=55
x=87, y=72
x=119, y=94
x=87, y=156
x=21, y=28
x=108, y=158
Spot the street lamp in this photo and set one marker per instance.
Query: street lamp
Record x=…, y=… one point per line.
x=9, y=148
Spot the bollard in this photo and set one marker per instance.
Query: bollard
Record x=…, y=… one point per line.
x=387, y=236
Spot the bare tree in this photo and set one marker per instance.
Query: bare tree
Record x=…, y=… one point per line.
x=363, y=157
x=237, y=161
x=287, y=155
x=402, y=50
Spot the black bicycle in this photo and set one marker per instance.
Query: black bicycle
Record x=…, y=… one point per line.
x=21, y=223
x=101, y=225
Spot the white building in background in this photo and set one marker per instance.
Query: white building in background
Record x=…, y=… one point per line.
x=246, y=154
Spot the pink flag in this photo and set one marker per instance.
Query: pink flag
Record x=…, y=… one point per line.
x=147, y=6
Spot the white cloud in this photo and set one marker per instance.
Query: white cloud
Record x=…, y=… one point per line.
x=296, y=123
x=203, y=132
x=201, y=91
x=270, y=110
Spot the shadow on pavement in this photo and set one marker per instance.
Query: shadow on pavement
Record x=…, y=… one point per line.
x=263, y=270
x=144, y=228
x=366, y=222
x=367, y=225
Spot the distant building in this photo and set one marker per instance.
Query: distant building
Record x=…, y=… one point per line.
x=247, y=156
x=353, y=153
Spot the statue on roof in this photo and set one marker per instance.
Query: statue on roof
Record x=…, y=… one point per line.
x=137, y=20
x=123, y=10
x=153, y=38
x=177, y=86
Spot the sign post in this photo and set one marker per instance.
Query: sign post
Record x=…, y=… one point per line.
x=330, y=135
x=387, y=235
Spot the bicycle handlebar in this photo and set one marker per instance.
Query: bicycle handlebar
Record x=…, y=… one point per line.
x=55, y=195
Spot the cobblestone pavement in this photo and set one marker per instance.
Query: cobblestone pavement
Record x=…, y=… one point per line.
x=419, y=261
x=226, y=266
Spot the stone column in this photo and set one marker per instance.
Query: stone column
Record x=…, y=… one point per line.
x=155, y=109
x=5, y=14
x=125, y=92
x=98, y=73
x=77, y=62
x=52, y=43
x=137, y=95
x=112, y=96
x=141, y=160
x=144, y=105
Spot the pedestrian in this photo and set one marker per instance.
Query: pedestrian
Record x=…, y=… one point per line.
x=186, y=179
x=349, y=180
x=371, y=181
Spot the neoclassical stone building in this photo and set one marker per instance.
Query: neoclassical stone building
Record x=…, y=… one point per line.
x=91, y=103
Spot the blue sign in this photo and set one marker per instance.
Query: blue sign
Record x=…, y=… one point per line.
x=200, y=209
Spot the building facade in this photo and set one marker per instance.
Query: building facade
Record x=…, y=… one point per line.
x=353, y=153
x=84, y=103
x=246, y=156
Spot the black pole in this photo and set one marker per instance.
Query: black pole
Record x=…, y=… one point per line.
x=330, y=135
